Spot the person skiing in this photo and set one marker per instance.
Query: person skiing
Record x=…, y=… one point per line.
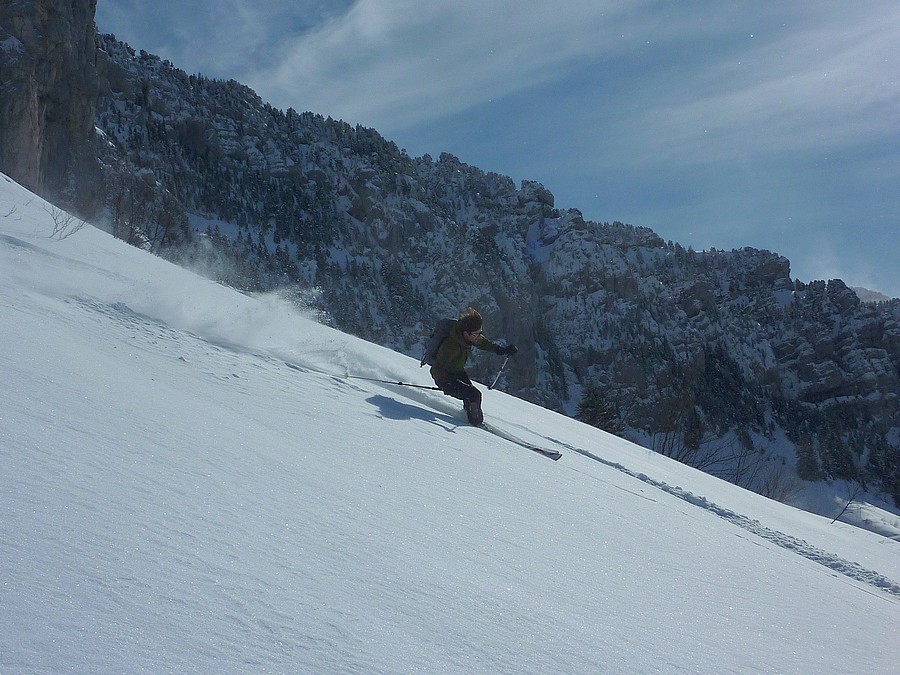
x=448, y=369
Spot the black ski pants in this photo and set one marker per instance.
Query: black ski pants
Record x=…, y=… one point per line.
x=458, y=385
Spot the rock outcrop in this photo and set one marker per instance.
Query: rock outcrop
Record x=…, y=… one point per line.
x=48, y=81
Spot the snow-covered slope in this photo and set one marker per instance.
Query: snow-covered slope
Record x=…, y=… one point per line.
x=192, y=483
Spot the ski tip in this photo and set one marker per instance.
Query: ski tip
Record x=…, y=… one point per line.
x=552, y=454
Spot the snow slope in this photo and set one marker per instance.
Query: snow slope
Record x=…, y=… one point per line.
x=191, y=483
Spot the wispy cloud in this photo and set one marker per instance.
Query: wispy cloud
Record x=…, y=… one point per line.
x=696, y=75
x=720, y=82
x=215, y=37
x=801, y=88
x=394, y=63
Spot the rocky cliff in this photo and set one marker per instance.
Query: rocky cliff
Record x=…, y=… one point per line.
x=49, y=82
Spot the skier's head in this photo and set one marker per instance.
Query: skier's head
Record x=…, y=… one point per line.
x=470, y=323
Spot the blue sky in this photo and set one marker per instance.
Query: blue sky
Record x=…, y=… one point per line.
x=716, y=123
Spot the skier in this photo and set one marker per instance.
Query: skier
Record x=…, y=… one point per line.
x=449, y=363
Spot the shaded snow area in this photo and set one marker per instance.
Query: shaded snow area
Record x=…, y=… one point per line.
x=191, y=483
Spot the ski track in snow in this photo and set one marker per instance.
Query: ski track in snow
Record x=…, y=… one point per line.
x=785, y=541
x=793, y=544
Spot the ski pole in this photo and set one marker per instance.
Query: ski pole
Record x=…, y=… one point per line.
x=502, y=366
x=402, y=384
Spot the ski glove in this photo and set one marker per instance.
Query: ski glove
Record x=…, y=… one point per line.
x=508, y=350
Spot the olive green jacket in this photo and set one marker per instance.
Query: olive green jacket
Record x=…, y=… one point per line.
x=453, y=354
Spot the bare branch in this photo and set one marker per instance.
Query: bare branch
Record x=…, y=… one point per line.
x=855, y=491
x=64, y=224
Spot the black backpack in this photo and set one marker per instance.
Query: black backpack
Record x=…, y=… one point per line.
x=433, y=343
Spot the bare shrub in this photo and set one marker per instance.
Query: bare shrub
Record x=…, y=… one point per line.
x=64, y=224
x=855, y=490
x=779, y=482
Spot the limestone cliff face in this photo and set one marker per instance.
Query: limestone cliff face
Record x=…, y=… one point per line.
x=48, y=81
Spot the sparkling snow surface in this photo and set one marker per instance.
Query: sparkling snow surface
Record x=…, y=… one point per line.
x=190, y=483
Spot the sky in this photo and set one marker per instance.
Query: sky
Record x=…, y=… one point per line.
x=716, y=123
x=191, y=483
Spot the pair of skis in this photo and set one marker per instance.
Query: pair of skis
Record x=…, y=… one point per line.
x=546, y=452
x=552, y=454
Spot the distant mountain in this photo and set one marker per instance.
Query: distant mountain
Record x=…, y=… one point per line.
x=866, y=295
x=716, y=358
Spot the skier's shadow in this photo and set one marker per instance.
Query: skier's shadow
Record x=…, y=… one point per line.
x=392, y=409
